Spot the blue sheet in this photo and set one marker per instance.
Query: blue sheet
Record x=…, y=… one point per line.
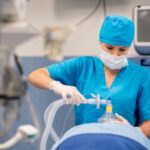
x=124, y=135
x=100, y=142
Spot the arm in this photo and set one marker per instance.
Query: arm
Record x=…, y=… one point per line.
x=40, y=78
x=145, y=127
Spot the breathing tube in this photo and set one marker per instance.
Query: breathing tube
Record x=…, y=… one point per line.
x=49, y=117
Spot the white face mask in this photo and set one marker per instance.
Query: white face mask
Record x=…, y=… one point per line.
x=113, y=62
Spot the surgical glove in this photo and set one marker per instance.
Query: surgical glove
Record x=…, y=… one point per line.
x=122, y=119
x=70, y=94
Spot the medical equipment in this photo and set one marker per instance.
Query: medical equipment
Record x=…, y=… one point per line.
x=108, y=115
x=54, y=39
x=13, y=32
x=142, y=29
x=87, y=130
x=55, y=36
x=49, y=118
x=12, y=10
x=12, y=80
x=24, y=132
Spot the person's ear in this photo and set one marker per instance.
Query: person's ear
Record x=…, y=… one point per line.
x=100, y=44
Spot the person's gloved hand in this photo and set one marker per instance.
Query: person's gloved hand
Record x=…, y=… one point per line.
x=122, y=119
x=70, y=94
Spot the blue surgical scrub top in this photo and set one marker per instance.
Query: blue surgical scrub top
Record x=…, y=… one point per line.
x=129, y=91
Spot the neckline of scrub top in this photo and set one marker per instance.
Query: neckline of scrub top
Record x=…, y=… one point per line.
x=104, y=78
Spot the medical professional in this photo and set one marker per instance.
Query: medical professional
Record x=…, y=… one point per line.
x=110, y=74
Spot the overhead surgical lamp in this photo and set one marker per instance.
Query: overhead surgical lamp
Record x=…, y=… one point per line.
x=54, y=39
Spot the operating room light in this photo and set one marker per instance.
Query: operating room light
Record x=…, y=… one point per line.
x=54, y=40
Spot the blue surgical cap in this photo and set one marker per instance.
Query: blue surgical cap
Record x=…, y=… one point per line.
x=117, y=30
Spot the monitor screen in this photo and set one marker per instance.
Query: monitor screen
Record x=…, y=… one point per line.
x=143, y=25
